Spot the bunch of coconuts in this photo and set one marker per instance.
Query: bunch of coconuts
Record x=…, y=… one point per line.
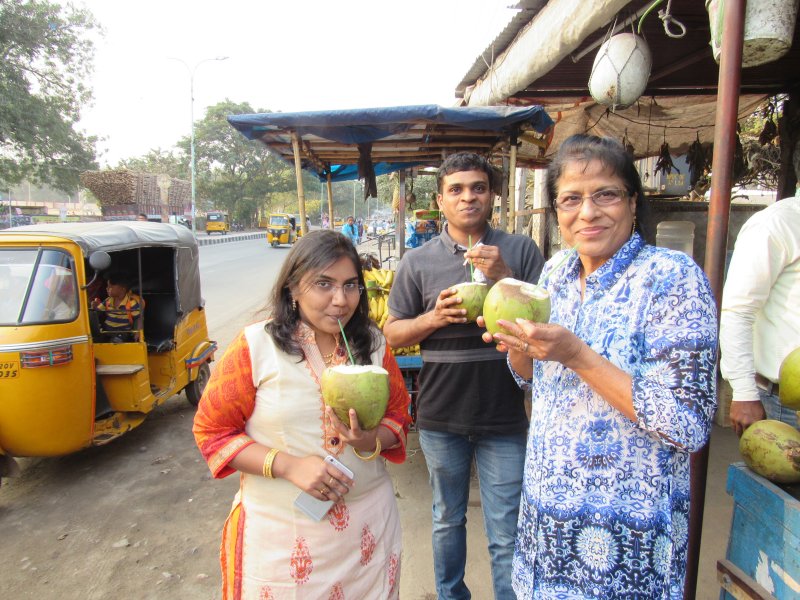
x=365, y=388
x=772, y=448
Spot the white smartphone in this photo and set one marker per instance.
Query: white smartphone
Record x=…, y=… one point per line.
x=317, y=509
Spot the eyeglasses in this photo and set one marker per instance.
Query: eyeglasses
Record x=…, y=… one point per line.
x=350, y=290
x=602, y=198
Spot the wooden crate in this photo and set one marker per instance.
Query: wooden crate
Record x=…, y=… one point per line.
x=764, y=542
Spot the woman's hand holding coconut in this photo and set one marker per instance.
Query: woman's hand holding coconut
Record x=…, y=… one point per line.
x=364, y=440
x=527, y=340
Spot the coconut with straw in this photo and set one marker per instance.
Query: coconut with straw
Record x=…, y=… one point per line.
x=364, y=388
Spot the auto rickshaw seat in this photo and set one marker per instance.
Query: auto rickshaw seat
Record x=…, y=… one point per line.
x=160, y=318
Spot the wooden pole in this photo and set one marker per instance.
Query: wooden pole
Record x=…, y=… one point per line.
x=330, y=202
x=400, y=228
x=504, y=197
x=523, y=186
x=512, y=186
x=730, y=74
x=298, y=172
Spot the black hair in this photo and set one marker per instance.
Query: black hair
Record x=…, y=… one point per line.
x=313, y=253
x=584, y=148
x=466, y=161
x=117, y=277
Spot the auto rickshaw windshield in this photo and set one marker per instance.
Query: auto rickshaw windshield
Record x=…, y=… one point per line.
x=278, y=221
x=37, y=285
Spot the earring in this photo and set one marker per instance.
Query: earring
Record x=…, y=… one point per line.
x=294, y=305
x=633, y=227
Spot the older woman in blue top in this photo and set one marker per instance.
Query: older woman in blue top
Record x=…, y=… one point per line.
x=623, y=389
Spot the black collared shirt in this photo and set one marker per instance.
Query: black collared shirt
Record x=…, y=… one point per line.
x=465, y=385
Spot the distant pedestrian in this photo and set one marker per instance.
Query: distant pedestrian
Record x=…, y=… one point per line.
x=350, y=230
x=142, y=217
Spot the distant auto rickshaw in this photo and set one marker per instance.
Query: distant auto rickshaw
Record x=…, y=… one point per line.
x=217, y=222
x=65, y=383
x=282, y=229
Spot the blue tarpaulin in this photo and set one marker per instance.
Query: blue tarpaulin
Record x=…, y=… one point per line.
x=401, y=136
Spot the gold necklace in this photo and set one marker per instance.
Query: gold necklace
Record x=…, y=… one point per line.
x=328, y=358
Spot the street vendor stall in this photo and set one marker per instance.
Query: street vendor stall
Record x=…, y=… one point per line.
x=550, y=52
x=342, y=145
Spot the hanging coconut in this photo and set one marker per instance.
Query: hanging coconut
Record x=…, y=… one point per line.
x=620, y=71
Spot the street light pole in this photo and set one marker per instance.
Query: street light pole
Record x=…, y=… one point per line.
x=192, y=166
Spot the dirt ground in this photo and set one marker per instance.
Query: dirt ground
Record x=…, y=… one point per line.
x=141, y=518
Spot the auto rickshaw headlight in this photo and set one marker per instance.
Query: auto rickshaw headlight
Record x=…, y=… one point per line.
x=34, y=359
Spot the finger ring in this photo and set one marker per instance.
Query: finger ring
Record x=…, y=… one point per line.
x=525, y=347
x=324, y=491
x=330, y=483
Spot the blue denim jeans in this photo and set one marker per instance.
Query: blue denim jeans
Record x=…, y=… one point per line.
x=500, y=460
x=776, y=410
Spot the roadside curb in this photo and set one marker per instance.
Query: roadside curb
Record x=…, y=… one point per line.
x=223, y=239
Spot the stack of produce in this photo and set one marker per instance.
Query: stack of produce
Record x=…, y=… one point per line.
x=379, y=282
x=121, y=186
x=112, y=187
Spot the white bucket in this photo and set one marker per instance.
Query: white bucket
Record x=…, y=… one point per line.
x=676, y=235
x=768, y=29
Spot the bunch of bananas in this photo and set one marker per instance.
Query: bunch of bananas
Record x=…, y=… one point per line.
x=379, y=282
x=407, y=351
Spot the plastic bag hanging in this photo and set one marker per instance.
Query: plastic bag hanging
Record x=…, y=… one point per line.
x=620, y=71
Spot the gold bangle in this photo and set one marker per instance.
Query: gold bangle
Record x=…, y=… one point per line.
x=372, y=456
x=266, y=469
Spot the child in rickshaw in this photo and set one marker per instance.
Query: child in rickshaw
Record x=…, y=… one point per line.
x=122, y=307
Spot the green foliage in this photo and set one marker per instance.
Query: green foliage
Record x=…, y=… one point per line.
x=232, y=172
x=46, y=60
x=159, y=161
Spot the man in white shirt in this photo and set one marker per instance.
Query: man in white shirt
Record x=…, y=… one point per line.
x=760, y=320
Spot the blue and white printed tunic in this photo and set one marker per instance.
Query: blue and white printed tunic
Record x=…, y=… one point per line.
x=605, y=501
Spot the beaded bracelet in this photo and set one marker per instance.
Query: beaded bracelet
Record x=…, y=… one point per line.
x=372, y=456
x=266, y=469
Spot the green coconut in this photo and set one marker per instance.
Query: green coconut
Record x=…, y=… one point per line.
x=510, y=299
x=789, y=380
x=772, y=449
x=362, y=387
x=472, y=296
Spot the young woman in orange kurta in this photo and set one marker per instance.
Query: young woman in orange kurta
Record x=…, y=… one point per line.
x=262, y=415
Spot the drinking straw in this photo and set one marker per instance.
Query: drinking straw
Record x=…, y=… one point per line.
x=346, y=345
x=471, y=268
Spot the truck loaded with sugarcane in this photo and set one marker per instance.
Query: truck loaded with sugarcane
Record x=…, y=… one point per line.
x=124, y=194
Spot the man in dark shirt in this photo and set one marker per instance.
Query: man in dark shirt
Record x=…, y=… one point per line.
x=468, y=402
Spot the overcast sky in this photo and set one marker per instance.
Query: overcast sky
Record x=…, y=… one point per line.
x=283, y=55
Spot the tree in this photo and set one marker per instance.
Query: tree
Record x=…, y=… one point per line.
x=46, y=59
x=232, y=172
x=158, y=161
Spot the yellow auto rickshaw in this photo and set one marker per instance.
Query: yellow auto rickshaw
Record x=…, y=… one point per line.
x=217, y=222
x=282, y=229
x=65, y=382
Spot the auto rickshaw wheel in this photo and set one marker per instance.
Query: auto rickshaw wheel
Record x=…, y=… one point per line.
x=195, y=388
x=274, y=243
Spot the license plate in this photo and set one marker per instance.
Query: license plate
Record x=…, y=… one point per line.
x=9, y=369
